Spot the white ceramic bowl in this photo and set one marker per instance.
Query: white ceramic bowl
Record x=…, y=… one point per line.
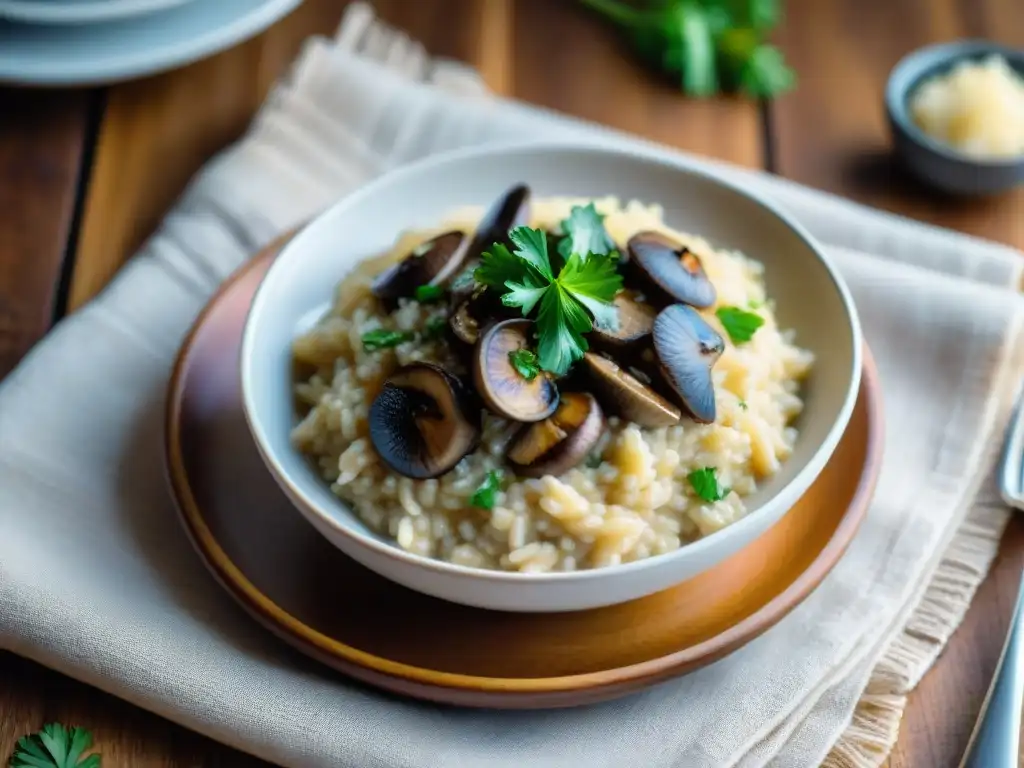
x=810, y=297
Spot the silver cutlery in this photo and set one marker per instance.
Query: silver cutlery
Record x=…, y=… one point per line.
x=995, y=742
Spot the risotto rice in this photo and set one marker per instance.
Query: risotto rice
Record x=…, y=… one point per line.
x=630, y=502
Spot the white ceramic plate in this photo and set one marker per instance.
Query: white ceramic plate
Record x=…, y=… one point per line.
x=80, y=11
x=90, y=54
x=810, y=298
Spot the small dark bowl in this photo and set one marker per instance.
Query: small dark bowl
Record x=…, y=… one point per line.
x=934, y=162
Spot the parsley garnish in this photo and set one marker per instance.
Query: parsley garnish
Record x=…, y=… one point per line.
x=525, y=362
x=55, y=746
x=485, y=496
x=585, y=233
x=705, y=483
x=743, y=405
x=429, y=293
x=587, y=282
x=435, y=327
x=382, y=339
x=738, y=323
x=708, y=44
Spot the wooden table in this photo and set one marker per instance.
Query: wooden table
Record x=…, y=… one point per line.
x=85, y=175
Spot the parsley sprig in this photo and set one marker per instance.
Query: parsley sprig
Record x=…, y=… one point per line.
x=710, y=45
x=568, y=303
x=738, y=323
x=706, y=484
x=486, y=495
x=55, y=746
x=525, y=362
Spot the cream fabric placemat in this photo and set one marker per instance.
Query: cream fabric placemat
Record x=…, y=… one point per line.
x=97, y=580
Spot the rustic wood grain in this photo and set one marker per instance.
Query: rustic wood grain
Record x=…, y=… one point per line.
x=126, y=736
x=831, y=133
x=41, y=145
x=158, y=132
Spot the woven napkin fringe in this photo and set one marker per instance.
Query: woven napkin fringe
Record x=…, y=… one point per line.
x=872, y=732
x=874, y=728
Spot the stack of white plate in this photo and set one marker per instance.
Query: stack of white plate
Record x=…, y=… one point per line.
x=87, y=42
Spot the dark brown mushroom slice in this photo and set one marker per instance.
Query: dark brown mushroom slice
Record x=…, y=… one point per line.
x=687, y=349
x=510, y=210
x=636, y=321
x=424, y=421
x=503, y=389
x=482, y=309
x=559, y=443
x=625, y=395
x=668, y=272
x=430, y=263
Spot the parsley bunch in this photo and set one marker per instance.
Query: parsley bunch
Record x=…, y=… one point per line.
x=571, y=297
x=55, y=746
x=710, y=45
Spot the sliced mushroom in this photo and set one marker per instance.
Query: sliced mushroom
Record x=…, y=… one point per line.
x=626, y=395
x=510, y=210
x=687, y=349
x=636, y=321
x=667, y=271
x=430, y=263
x=423, y=421
x=559, y=443
x=504, y=390
x=482, y=309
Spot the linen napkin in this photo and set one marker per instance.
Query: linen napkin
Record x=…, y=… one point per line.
x=98, y=582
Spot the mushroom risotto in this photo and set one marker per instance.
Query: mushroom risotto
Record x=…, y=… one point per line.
x=549, y=385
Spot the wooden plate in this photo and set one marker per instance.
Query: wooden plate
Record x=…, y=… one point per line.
x=307, y=592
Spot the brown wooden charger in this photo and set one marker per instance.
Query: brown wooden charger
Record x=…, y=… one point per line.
x=307, y=592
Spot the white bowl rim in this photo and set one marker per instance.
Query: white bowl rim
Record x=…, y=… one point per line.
x=287, y=256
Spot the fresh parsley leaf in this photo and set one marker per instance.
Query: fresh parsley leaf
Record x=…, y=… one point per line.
x=532, y=247
x=498, y=265
x=594, y=283
x=55, y=746
x=743, y=405
x=585, y=233
x=429, y=293
x=738, y=323
x=525, y=362
x=525, y=294
x=561, y=323
x=382, y=339
x=705, y=483
x=485, y=496
x=435, y=328
x=585, y=283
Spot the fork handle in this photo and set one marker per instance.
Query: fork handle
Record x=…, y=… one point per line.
x=995, y=742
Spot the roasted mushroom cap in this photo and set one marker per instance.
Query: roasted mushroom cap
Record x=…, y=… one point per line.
x=559, y=443
x=636, y=321
x=624, y=394
x=479, y=311
x=687, y=348
x=423, y=421
x=504, y=390
x=431, y=263
x=668, y=272
x=510, y=210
